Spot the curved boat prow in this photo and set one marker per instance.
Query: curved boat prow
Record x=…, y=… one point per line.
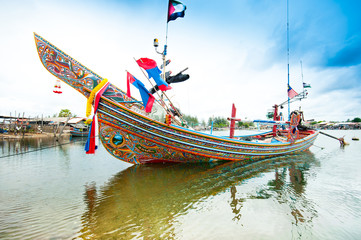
x=66, y=68
x=75, y=74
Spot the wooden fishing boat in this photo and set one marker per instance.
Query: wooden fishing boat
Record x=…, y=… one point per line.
x=79, y=133
x=79, y=130
x=130, y=134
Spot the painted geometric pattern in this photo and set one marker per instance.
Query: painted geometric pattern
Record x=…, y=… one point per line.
x=64, y=67
x=133, y=149
x=175, y=143
x=76, y=75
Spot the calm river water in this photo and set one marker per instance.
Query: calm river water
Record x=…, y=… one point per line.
x=62, y=193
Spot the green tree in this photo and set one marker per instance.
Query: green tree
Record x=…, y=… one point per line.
x=191, y=120
x=64, y=113
x=357, y=119
x=245, y=124
x=218, y=122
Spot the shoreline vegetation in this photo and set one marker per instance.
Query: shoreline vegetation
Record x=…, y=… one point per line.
x=60, y=126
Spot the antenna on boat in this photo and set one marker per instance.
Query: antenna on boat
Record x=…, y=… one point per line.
x=164, y=53
x=302, y=74
x=304, y=92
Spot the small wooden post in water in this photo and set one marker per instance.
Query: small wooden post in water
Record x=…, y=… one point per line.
x=62, y=129
x=22, y=125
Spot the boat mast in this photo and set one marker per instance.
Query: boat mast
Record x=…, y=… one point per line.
x=165, y=52
x=303, y=83
x=288, y=63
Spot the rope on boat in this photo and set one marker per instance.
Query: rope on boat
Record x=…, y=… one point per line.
x=318, y=146
x=36, y=150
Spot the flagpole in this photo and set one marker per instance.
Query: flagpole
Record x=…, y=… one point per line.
x=166, y=44
x=303, y=84
x=166, y=34
x=288, y=64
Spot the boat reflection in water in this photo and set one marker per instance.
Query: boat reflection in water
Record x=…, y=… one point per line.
x=152, y=201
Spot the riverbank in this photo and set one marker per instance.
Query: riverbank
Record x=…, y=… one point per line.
x=4, y=136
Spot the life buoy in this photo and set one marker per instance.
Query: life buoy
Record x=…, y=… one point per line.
x=293, y=132
x=295, y=119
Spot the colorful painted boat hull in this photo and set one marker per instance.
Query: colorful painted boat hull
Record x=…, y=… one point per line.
x=132, y=137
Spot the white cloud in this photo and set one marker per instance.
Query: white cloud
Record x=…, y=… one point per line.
x=234, y=63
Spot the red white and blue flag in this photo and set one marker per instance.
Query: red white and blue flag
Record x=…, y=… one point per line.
x=176, y=9
x=147, y=98
x=291, y=93
x=150, y=66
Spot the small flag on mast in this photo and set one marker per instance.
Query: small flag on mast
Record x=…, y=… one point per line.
x=306, y=85
x=147, y=98
x=291, y=93
x=176, y=9
x=150, y=66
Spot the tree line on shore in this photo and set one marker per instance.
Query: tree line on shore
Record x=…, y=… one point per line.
x=218, y=122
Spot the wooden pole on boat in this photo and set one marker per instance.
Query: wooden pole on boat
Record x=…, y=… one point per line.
x=233, y=120
x=170, y=102
x=162, y=104
x=341, y=140
x=161, y=99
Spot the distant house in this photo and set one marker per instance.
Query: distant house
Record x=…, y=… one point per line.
x=347, y=125
x=62, y=120
x=78, y=122
x=51, y=123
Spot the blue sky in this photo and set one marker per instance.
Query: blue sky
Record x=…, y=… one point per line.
x=235, y=50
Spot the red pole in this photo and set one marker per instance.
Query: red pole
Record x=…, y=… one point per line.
x=275, y=118
x=233, y=121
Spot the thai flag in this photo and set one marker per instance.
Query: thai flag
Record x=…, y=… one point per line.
x=150, y=66
x=175, y=9
x=147, y=98
x=291, y=93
